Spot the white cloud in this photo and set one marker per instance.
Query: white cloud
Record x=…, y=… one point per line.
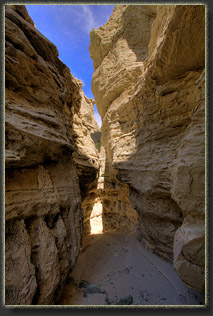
x=98, y=119
x=82, y=14
x=72, y=19
x=89, y=20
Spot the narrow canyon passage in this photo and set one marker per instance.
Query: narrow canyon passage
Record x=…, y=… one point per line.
x=110, y=216
x=120, y=271
x=113, y=266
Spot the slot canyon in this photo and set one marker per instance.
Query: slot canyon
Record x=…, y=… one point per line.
x=110, y=216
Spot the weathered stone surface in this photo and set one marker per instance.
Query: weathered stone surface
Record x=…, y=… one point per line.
x=189, y=251
x=149, y=87
x=36, y=127
x=20, y=273
x=50, y=204
x=117, y=57
x=45, y=259
x=44, y=104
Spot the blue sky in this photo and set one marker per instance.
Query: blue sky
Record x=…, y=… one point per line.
x=68, y=27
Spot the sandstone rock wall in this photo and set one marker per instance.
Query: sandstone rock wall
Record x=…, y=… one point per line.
x=149, y=87
x=48, y=152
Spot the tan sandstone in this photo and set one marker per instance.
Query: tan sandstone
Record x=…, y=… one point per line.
x=48, y=152
x=149, y=87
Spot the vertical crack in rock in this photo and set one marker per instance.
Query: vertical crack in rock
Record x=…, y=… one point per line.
x=149, y=88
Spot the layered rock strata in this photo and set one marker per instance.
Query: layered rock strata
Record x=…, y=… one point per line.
x=48, y=152
x=149, y=87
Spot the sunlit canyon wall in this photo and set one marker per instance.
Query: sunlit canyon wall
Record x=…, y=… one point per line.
x=149, y=87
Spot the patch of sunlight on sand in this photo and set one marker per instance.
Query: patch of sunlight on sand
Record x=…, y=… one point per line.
x=96, y=222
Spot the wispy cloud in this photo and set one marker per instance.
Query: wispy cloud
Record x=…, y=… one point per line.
x=97, y=116
x=89, y=19
x=98, y=119
x=81, y=15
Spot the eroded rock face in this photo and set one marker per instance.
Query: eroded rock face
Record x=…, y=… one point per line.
x=45, y=130
x=20, y=273
x=149, y=87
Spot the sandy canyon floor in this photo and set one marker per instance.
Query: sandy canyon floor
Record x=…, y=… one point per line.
x=114, y=268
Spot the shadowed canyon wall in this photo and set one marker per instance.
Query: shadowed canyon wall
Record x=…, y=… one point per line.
x=50, y=160
x=149, y=87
